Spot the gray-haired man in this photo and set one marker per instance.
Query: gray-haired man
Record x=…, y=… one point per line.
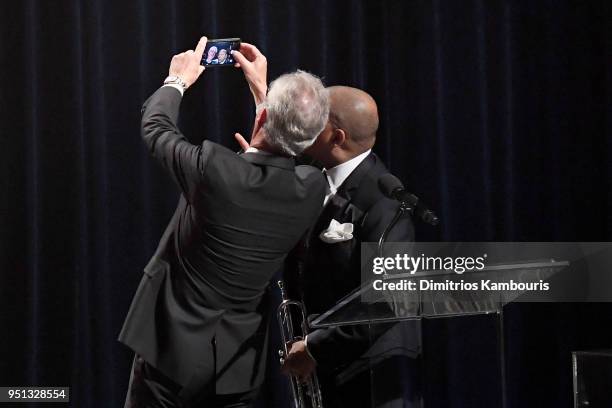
x=198, y=320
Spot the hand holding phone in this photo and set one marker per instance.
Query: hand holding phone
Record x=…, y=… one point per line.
x=185, y=65
x=255, y=67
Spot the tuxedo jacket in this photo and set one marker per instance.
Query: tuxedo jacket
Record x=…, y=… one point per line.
x=332, y=270
x=198, y=315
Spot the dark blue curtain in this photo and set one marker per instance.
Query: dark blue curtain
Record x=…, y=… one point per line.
x=496, y=113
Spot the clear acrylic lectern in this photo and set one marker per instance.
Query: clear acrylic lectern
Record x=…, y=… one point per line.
x=370, y=306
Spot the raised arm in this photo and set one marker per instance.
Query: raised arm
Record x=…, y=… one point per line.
x=184, y=161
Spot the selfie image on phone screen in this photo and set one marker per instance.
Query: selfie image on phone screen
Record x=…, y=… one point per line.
x=219, y=52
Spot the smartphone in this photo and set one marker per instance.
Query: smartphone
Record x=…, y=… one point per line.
x=218, y=53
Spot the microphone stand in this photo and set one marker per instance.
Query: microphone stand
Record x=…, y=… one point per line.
x=404, y=208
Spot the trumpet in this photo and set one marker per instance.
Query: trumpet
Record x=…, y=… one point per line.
x=307, y=394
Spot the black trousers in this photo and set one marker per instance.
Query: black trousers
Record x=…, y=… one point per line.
x=149, y=388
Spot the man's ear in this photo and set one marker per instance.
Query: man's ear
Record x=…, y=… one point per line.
x=339, y=137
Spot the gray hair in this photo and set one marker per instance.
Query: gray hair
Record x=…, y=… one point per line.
x=297, y=109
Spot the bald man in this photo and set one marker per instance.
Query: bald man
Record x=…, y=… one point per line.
x=331, y=268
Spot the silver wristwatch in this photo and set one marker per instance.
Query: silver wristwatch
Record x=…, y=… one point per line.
x=175, y=80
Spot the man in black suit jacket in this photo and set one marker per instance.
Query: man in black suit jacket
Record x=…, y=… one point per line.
x=332, y=264
x=197, y=322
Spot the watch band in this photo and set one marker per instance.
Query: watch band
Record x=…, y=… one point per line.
x=175, y=80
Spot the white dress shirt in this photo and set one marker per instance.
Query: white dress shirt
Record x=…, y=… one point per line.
x=256, y=150
x=338, y=174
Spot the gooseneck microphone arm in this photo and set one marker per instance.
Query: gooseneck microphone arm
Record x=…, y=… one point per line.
x=402, y=209
x=393, y=188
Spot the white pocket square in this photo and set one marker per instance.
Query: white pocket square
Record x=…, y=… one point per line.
x=337, y=232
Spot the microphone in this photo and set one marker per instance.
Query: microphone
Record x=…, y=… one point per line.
x=393, y=188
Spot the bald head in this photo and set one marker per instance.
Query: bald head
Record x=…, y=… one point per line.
x=355, y=112
x=350, y=129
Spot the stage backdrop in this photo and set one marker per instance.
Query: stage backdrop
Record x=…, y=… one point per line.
x=496, y=113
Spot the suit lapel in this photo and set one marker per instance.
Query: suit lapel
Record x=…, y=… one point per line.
x=349, y=190
x=333, y=210
x=340, y=206
x=351, y=184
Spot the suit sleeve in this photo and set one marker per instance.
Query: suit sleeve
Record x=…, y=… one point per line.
x=334, y=347
x=184, y=161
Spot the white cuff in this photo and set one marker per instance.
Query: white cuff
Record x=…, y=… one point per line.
x=307, y=350
x=177, y=87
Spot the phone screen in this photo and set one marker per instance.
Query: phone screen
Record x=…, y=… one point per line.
x=218, y=53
